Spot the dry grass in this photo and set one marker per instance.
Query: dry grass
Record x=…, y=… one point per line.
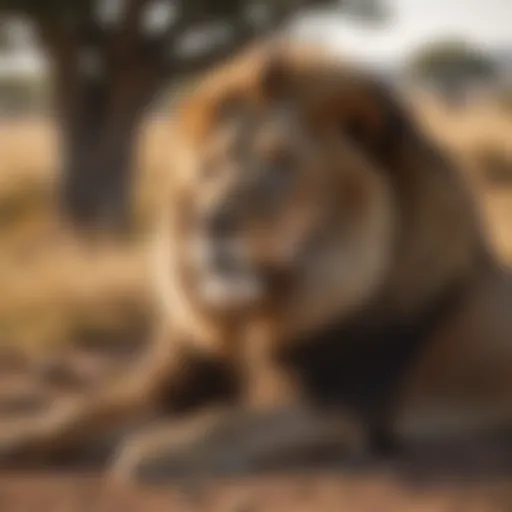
x=55, y=289
x=55, y=292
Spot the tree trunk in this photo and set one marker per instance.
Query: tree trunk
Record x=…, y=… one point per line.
x=99, y=104
x=99, y=122
x=97, y=146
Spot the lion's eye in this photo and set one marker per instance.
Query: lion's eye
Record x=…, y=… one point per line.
x=277, y=178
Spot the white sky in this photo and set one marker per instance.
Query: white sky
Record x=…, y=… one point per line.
x=487, y=23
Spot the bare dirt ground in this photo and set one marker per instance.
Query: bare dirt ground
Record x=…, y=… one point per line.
x=439, y=478
x=297, y=494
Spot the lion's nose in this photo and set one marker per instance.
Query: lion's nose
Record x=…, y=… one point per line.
x=222, y=223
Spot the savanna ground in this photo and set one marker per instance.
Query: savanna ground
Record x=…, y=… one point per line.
x=68, y=311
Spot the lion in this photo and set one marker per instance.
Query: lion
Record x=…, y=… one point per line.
x=323, y=283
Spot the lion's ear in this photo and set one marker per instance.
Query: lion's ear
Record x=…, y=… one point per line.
x=274, y=78
x=379, y=123
x=367, y=113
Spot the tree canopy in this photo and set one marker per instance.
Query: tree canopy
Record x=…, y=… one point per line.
x=450, y=60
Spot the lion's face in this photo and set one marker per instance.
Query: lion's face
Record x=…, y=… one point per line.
x=264, y=193
x=261, y=194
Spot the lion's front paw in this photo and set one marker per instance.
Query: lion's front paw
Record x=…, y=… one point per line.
x=36, y=440
x=20, y=444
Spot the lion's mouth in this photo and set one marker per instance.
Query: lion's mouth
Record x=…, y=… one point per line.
x=225, y=279
x=231, y=291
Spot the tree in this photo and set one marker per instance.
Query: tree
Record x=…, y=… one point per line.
x=373, y=11
x=109, y=60
x=450, y=65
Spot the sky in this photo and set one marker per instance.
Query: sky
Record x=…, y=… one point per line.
x=486, y=23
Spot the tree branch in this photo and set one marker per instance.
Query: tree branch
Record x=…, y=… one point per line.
x=63, y=51
x=232, y=13
x=126, y=36
x=132, y=14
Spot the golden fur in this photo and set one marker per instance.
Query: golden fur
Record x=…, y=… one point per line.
x=302, y=197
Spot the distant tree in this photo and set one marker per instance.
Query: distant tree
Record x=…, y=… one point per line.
x=111, y=57
x=5, y=41
x=373, y=11
x=8, y=41
x=450, y=66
